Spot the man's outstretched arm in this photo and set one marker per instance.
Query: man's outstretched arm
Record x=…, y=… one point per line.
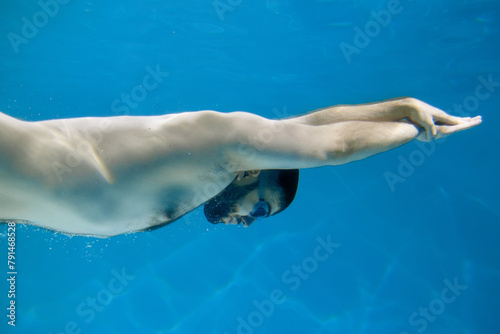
x=393, y=110
x=269, y=144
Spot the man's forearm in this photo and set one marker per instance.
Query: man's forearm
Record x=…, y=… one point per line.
x=386, y=111
x=344, y=142
x=364, y=139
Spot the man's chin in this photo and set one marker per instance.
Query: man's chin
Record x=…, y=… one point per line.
x=246, y=222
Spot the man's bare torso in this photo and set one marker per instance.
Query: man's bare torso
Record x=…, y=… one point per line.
x=107, y=176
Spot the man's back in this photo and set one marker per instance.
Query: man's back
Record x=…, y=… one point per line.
x=107, y=176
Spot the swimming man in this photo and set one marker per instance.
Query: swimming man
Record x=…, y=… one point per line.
x=108, y=176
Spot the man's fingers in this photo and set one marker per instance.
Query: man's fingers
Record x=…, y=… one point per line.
x=424, y=111
x=430, y=127
x=446, y=130
x=473, y=122
x=427, y=128
x=450, y=120
x=430, y=131
x=446, y=119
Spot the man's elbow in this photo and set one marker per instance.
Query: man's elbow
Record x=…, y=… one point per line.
x=341, y=153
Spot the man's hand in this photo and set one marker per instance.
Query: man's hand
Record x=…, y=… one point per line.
x=436, y=123
x=446, y=130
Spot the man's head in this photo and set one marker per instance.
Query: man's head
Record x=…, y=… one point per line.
x=253, y=195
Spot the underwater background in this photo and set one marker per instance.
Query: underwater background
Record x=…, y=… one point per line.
x=404, y=242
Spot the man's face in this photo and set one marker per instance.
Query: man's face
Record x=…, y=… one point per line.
x=256, y=204
x=244, y=201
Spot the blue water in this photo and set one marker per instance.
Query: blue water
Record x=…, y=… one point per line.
x=397, y=248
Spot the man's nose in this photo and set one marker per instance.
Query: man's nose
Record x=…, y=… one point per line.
x=247, y=220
